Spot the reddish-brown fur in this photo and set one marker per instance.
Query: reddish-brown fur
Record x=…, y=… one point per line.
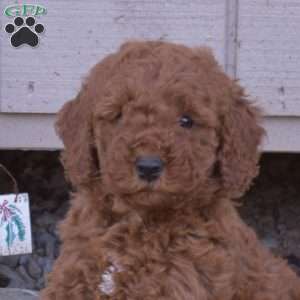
x=180, y=237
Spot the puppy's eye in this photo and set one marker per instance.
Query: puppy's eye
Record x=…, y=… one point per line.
x=186, y=121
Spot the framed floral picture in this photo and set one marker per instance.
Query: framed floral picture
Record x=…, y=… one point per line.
x=15, y=226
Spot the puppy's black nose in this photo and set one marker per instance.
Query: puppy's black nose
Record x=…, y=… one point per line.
x=149, y=167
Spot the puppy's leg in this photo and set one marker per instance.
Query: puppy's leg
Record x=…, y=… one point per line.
x=75, y=275
x=76, y=272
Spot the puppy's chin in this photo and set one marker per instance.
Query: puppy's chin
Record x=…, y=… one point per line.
x=151, y=200
x=158, y=196
x=138, y=188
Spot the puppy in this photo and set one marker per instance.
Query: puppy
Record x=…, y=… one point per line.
x=158, y=144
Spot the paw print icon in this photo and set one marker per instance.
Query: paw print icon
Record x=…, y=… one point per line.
x=24, y=32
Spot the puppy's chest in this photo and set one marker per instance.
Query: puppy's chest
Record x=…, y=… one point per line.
x=168, y=264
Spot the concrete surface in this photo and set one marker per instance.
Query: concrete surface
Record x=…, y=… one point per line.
x=17, y=294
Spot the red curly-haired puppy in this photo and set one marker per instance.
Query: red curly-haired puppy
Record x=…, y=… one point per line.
x=158, y=143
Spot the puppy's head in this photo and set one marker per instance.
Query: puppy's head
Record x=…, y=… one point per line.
x=157, y=121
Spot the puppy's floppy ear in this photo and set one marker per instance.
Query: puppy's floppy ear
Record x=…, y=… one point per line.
x=241, y=135
x=74, y=127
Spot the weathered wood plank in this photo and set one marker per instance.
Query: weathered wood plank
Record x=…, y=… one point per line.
x=36, y=131
x=28, y=131
x=268, y=60
x=80, y=33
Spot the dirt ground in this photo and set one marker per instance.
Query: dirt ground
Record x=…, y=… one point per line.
x=271, y=207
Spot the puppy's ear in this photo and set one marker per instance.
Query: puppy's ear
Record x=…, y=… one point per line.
x=241, y=135
x=74, y=127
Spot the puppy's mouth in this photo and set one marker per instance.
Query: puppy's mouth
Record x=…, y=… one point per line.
x=148, y=187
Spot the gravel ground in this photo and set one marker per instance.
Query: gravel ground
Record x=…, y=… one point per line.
x=41, y=175
x=272, y=207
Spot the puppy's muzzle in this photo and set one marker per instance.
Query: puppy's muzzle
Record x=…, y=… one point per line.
x=149, y=168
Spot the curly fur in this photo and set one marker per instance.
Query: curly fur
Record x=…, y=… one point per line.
x=179, y=237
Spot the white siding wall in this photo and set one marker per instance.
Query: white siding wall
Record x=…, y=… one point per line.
x=257, y=41
x=268, y=60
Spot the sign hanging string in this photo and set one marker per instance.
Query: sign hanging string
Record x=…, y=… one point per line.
x=13, y=179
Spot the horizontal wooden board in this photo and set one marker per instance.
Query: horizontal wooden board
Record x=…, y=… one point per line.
x=268, y=53
x=79, y=33
x=36, y=131
x=28, y=131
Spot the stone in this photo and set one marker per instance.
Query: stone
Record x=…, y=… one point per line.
x=11, y=260
x=48, y=265
x=24, y=259
x=40, y=251
x=33, y=267
x=270, y=242
x=13, y=278
x=29, y=281
x=46, y=241
x=46, y=219
x=40, y=283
